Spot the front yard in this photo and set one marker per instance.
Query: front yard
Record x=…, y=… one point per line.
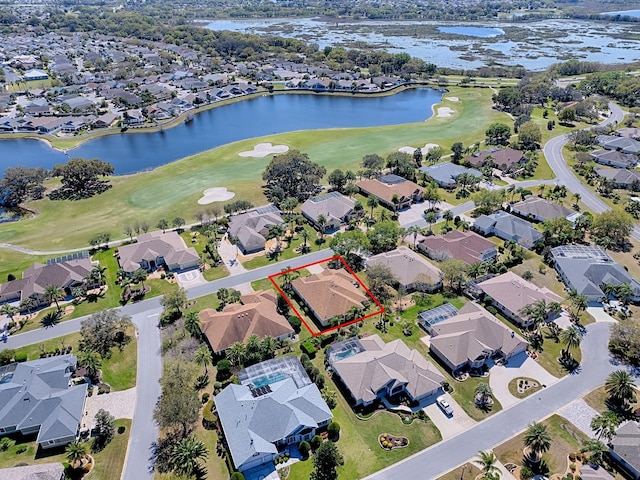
x=290, y=250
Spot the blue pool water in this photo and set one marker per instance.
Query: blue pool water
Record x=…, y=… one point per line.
x=268, y=380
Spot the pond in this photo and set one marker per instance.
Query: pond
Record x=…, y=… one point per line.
x=628, y=13
x=255, y=117
x=481, y=32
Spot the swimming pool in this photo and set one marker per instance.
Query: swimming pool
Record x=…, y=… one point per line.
x=269, y=379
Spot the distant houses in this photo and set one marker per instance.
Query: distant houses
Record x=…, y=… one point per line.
x=337, y=210
x=249, y=230
x=510, y=293
x=473, y=338
x=155, y=249
x=587, y=269
x=508, y=227
x=621, y=144
x=622, y=178
x=275, y=406
x=372, y=370
x=36, y=398
x=330, y=294
x=257, y=315
x=466, y=246
x=392, y=191
x=411, y=270
x=614, y=158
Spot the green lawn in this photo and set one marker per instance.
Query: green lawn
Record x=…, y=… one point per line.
x=597, y=399
x=119, y=370
x=513, y=387
x=288, y=252
x=174, y=189
x=464, y=393
x=108, y=463
x=551, y=351
x=562, y=444
x=464, y=472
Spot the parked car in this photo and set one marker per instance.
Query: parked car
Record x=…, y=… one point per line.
x=444, y=405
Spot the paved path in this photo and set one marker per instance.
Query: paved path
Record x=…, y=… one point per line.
x=520, y=366
x=119, y=404
x=449, y=426
x=580, y=414
x=448, y=454
x=229, y=254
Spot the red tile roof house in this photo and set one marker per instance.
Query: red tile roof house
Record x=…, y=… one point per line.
x=236, y=323
x=508, y=160
x=466, y=246
x=330, y=294
x=392, y=191
x=510, y=293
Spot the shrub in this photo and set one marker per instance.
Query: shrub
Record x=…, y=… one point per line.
x=224, y=369
x=205, y=397
x=304, y=448
x=209, y=419
x=492, y=309
x=334, y=430
x=5, y=443
x=445, y=387
x=570, y=476
x=6, y=356
x=21, y=449
x=20, y=357
x=526, y=473
x=121, y=429
x=237, y=476
x=295, y=323
x=572, y=457
x=316, y=441
x=308, y=348
x=572, y=467
x=163, y=276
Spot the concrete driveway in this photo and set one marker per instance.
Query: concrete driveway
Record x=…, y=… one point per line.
x=449, y=426
x=119, y=404
x=599, y=315
x=519, y=366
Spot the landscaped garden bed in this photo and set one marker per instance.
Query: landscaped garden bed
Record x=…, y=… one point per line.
x=522, y=387
x=391, y=442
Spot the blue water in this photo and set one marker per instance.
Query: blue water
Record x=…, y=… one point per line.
x=7, y=378
x=250, y=118
x=480, y=32
x=628, y=13
x=262, y=381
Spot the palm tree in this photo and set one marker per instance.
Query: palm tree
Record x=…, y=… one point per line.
x=576, y=198
x=268, y=347
x=186, y=456
x=53, y=293
x=372, y=203
x=598, y=451
x=609, y=289
x=192, y=324
x=447, y=215
x=624, y=292
x=537, y=439
x=571, y=337
x=431, y=218
x=139, y=276
x=8, y=310
x=488, y=461
x=202, y=357
x=76, y=451
x=305, y=237
x=276, y=231
x=91, y=361
x=476, y=269
x=621, y=388
x=536, y=313
x=605, y=425
x=322, y=223
x=26, y=304
x=369, y=222
x=483, y=392
x=235, y=354
x=414, y=230
x=578, y=301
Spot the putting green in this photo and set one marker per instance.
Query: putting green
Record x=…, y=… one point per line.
x=173, y=190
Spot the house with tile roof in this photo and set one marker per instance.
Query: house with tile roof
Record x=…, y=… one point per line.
x=587, y=269
x=466, y=246
x=411, y=270
x=372, y=369
x=392, y=191
x=625, y=447
x=337, y=210
x=472, y=337
x=510, y=293
x=539, y=210
x=156, y=248
x=36, y=398
x=505, y=159
x=329, y=294
x=508, y=227
x=43, y=471
x=257, y=315
x=260, y=418
x=249, y=230
x=65, y=275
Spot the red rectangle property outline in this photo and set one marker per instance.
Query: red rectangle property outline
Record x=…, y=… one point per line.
x=327, y=330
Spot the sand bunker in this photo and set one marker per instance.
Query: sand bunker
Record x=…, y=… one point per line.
x=217, y=194
x=444, y=112
x=264, y=149
x=425, y=149
x=452, y=99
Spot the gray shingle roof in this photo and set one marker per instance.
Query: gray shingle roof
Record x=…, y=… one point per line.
x=331, y=205
x=445, y=173
x=509, y=227
x=407, y=266
x=251, y=228
x=626, y=443
x=540, y=208
x=38, y=394
x=44, y=471
x=152, y=245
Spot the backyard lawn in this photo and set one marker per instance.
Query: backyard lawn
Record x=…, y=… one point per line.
x=174, y=189
x=464, y=472
x=566, y=438
x=596, y=399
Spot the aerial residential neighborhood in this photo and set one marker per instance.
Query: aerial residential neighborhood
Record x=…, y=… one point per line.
x=319, y=241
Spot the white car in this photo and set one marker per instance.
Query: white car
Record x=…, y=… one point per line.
x=444, y=405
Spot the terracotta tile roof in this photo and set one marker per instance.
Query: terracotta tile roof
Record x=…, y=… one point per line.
x=465, y=246
x=386, y=191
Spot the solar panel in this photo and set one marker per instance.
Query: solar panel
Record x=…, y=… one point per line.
x=71, y=256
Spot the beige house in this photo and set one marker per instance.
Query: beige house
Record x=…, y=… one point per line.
x=472, y=337
x=411, y=270
x=372, y=369
x=510, y=293
x=392, y=191
x=330, y=294
x=236, y=323
x=156, y=248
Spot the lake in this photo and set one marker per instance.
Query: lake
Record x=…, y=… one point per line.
x=533, y=45
x=255, y=117
x=628, y=13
